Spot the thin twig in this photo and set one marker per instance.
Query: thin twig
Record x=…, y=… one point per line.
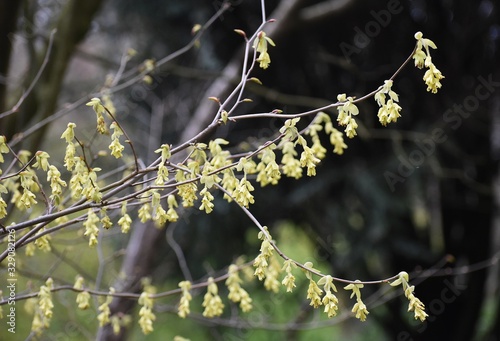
x=15, y=108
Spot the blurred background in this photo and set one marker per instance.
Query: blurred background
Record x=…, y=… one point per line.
x=421, y=195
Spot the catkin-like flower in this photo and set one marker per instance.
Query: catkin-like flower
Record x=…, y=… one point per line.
x=309, y=160
x=220, y=157
x=242, y=194
x=125, y=221
x=144, y=212
x=3, y=206
x=116, y=147
x=56, y=184
x=99, y=109
x=91, y=229
x=260, y=45
x=261, y=262
x=336, y=138
x=3, y=148
x=330, y=301
x=43, y=311
x=45, y=298
x=42, y=242
x=105, y=221
x=229, y=182
x=314, y=294
x=206, y=201
x=415, y=304
x=83, y=298
x=346, y=112
x=271, y=281
x=172, y=215
x=162, y=175
x=236, y=293
x=91, y=189
x=359, y=308
x=432, y=76
x=183, y=308
x=211, y=301
x=42, y=160
x=69, y=135
x=289, y=129
x=105, y=312
x=186, y=191
x=291, y=165
x=146, y=313
x=165, y=152
x=289, y=280
x=389, y=109
x=29, y=183
x=268, y=170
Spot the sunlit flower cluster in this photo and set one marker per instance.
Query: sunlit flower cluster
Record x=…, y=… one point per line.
x=260, y=46
x=359, y=308
x=346, y=112
x=415, y=304
x=389, y=107
x=432, y=76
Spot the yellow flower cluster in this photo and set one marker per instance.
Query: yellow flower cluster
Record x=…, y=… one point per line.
x=211, y=301
x=104, y=311
x=42, y=241
x=432, y=76
x=272, y=272
x=261, y=262
x=330, y=301
x=346, y=112
x=336, y=137
x=314, y=293
x=268, y=170
x=359, y=308
x=29, y=184
x=125, y=221
x=289, y=280
x=236, y=293
x=4, y=149
x=146, y=315
x=70, y=155
x=260, y=46
x=183, y=309
x=43, y=311
x=99, y=110
x=83, y=298
x=116, y=147
x=91, y=229
x=415, y=304
x=389, y=109
x=187, y=191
